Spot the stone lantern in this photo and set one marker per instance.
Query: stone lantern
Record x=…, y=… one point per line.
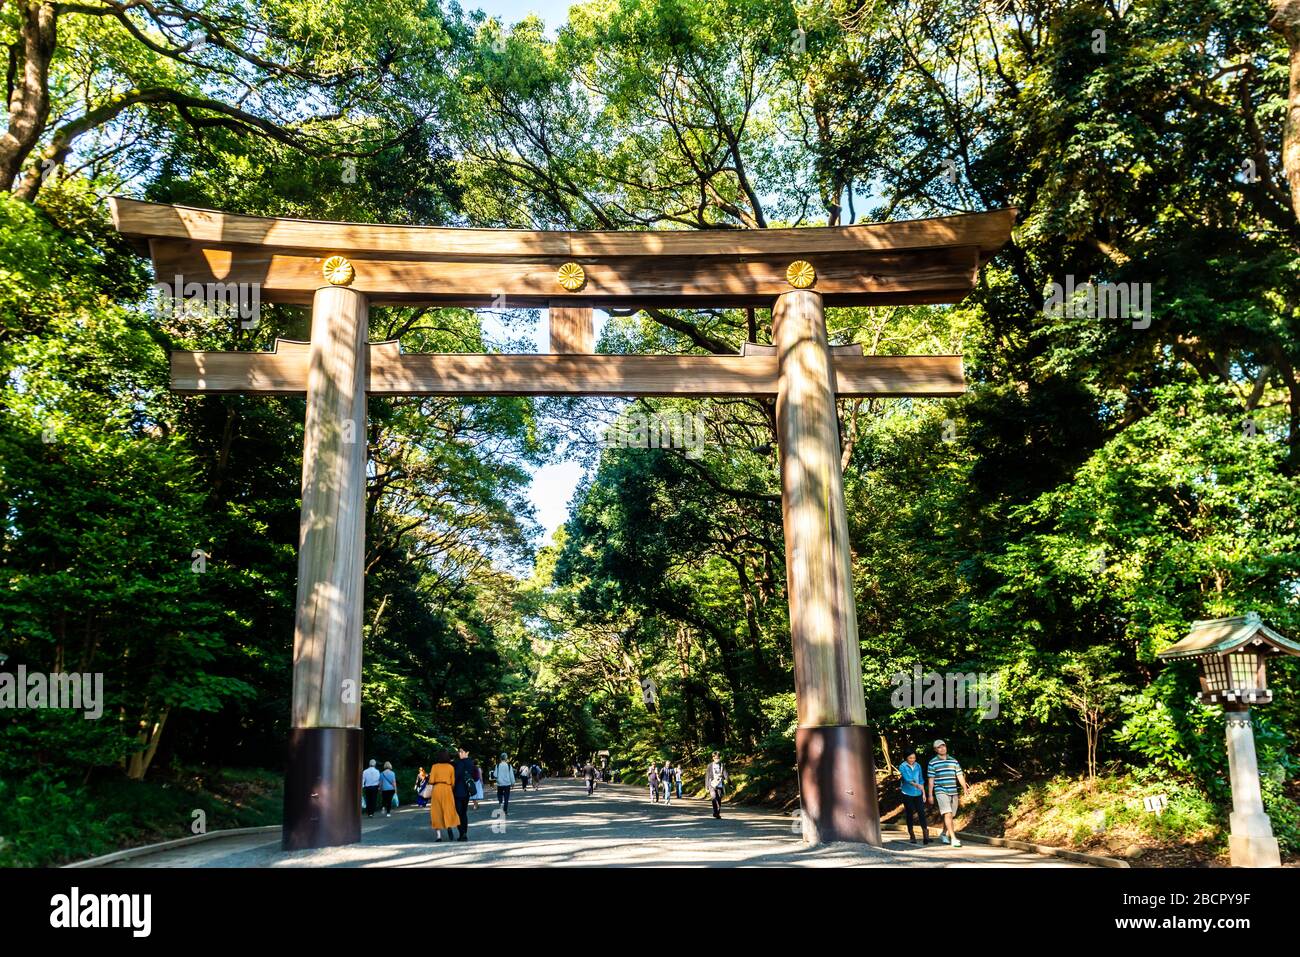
x=1231, y=653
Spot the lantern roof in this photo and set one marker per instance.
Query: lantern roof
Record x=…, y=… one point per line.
x=1220, y=636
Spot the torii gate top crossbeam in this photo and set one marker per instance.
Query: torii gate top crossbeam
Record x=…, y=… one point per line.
x=917, y=261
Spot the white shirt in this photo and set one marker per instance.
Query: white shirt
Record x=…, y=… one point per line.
x=505, y=775
x=370, y=778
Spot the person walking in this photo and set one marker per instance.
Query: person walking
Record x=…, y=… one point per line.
x=945, y=774
x=913, y=788
x=589, y=771
x=523, y=775
x=370, y=787
x=536, y=776
x=442, y=797
x=677, y=779
x=716, y=779
x=666, y=782
x=654, y=782
x=505, y=781
x=387, y=788
x=478, y=785
x=420, y=780
x=463, y=788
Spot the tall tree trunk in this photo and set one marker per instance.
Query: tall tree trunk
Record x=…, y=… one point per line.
x=751, y=623
x=1286, y=21
x=29, y=88
x=150, y=734
x=729, y=654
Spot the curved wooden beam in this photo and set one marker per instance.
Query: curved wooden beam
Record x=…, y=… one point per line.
x=144, y=221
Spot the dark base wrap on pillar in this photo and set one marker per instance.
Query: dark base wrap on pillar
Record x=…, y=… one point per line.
x=322, y=788
x=837, y=784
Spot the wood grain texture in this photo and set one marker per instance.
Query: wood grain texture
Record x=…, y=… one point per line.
x=139, y=220
x=572, y=327
x=331, y=570
x=823, y=617
x=944, y=274
x=767, y=349
x=391, y=373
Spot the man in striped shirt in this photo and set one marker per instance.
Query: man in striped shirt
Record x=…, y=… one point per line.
x=944, y=775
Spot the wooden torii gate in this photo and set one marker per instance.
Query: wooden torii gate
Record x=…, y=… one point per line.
x=341, y=269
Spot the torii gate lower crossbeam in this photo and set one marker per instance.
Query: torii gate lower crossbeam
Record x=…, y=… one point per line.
x=356, y=266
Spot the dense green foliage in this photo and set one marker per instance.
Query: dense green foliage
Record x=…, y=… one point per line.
x=1105, y=482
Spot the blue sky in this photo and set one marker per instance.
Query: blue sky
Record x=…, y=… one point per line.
x=552, y=12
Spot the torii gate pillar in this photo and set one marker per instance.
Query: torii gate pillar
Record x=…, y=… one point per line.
x=837, y=779
x=322, y=804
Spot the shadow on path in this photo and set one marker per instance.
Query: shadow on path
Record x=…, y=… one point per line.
x=561, y=826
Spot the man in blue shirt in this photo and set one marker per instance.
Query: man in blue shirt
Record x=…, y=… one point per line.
x=945, y=774
x=914, y=795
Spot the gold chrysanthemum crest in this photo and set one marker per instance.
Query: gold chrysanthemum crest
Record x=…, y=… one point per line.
x=338, y=271
x=571, y=276
x=800, y=274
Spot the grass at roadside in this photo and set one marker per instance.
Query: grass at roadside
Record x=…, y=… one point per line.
x=1106, y=817
x=47, y=823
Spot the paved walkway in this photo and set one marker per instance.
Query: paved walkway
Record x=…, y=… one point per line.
x=617, y=827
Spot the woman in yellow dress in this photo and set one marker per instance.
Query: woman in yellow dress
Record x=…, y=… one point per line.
x=442, y=802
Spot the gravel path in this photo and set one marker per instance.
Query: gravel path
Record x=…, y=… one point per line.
x=617, y=827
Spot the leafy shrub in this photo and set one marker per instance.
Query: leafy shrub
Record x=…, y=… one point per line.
x=44, y=821
x=1283, y=812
